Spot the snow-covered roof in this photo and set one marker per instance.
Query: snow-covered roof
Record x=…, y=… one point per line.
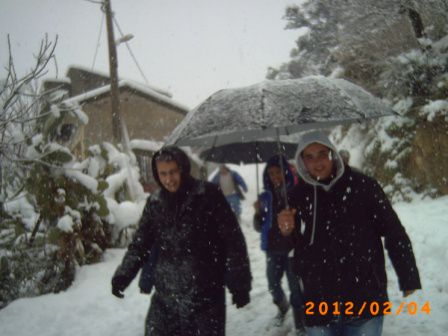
x=146, y=145
x=66, y=80
x=146, y=90
x=106, y=75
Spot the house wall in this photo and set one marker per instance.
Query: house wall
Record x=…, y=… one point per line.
x=144, y=118
x=83, y=81
x=55, y=84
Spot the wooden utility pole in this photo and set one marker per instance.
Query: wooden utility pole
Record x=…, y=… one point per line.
x=119, y=129
x=113, y=66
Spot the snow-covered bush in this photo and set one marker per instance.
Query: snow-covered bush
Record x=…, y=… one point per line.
x=124, y=194
x=56, y=212
x=52, y=220
x=67, y=213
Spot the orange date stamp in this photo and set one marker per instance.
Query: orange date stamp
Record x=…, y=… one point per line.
x=374, y=308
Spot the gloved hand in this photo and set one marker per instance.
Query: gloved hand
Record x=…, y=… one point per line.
x=240, y=299
x=119, y=284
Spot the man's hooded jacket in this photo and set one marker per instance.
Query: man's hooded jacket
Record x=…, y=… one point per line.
x=338, y=253
x=201, y=250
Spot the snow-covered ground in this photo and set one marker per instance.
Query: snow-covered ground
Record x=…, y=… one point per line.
x=88, y=307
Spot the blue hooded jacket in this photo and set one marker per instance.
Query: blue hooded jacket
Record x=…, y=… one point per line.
x=266, y=199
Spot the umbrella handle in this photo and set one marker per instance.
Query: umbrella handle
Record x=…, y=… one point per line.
x=282, y=167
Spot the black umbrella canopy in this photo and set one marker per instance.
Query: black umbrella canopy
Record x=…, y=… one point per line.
x=248, y=152
x=276, y=107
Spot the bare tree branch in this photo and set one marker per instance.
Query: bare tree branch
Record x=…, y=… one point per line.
x=20, y=110
x=14, y=84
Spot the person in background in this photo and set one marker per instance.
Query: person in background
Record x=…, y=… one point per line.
x=337, y=219
x=232, y=186
x=201, y=250
x=269, y=203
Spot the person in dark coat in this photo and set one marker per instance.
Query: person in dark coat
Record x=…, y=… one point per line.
x=201, y=250
x=277, y=247
x=338, y=218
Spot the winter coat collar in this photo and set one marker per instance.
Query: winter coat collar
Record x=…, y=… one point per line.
x=179, y=203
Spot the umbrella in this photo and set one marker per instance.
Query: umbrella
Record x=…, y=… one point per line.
x=276, y=107
x=249, y=152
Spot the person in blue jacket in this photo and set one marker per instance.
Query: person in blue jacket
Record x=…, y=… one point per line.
x=232, y=186
x=277, y=247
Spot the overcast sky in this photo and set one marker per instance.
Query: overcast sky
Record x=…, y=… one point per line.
x=191, y=48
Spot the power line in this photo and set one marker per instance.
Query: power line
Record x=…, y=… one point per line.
x=130, y=51
x=122, y=35
x=95, y=2
x=98, y=41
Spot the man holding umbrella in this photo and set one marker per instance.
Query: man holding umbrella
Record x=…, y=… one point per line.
x=338, y=216
x=337, y=219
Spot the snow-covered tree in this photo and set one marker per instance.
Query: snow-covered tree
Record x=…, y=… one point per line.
x=56, y=212
x=397, y=50
x=19, y=113
x=414, y=146
x=354, y=36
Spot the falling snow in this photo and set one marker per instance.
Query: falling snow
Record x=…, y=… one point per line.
x=88, y=307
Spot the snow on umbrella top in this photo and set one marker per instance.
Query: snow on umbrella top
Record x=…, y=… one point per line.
x=276, y=107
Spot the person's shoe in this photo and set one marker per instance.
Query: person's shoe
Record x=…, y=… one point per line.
x=298, y=321
x=279, y=319
x=283, y=308
x=300, y=332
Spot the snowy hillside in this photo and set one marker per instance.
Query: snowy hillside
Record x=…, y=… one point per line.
x=88, y=308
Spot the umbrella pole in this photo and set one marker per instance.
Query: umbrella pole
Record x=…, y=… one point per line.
x=256, y=165
x=258, y=186
x=282, y=167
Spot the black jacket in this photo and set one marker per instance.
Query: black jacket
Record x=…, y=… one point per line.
x=201, y=249
x=343, y=260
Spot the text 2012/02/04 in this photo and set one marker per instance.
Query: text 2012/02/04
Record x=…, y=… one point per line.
x=374, y=308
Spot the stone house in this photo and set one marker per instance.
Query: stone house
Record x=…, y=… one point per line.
x=149, y=113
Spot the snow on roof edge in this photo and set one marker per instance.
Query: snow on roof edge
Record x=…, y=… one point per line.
x=105, y=74
x=125, y=83
x=148, y=145
x=56, y=79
